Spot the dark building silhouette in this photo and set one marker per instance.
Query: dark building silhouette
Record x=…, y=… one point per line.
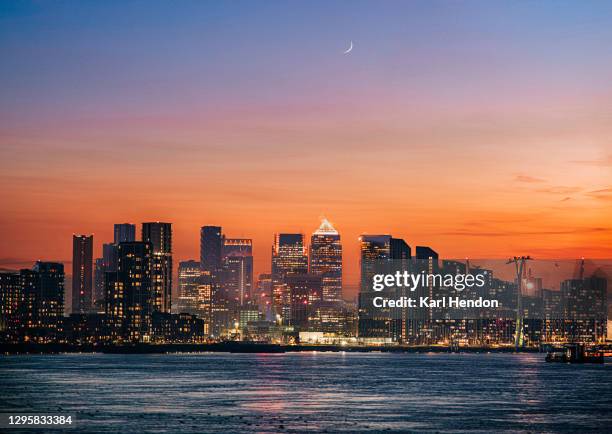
x=211, y=246
x=109, y=255
x=425, y=253
x=305, y=290
x=98, y=278
x=160, y=236
x=129, y=294
x=82, y=273
x=124, y=233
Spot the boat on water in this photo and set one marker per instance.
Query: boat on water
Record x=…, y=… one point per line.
x=574, y=353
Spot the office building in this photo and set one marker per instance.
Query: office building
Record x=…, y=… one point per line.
x=288, y=258
x=304, y=291
x=237, y=265
x=325, y=260
x=188, y=278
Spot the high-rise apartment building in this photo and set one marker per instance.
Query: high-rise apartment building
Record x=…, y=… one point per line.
x=129, y=295
x=124, y=233
x=82, y=273
x=160, y=236
x=43, y=294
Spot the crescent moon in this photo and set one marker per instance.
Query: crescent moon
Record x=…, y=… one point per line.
x=349, y=48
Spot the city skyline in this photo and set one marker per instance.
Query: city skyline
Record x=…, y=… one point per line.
x=316, y=216
x=104, y=251
x=241, y=116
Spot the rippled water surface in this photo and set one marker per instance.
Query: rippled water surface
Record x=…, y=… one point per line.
x=300, y=392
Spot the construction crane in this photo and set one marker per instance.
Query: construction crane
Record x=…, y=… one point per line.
x=519, y=263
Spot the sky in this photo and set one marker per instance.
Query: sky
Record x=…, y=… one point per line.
x=481, y=129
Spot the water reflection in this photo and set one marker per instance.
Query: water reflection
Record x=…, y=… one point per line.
x=317, y=392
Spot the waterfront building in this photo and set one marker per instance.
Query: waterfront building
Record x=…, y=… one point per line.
x=584, y=307
x=129, y=294
x=43, y=302
x=11, y=300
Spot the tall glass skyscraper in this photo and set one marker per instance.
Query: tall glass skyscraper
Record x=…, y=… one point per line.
x=326, y=260
x=238, y=269
x=288, y=258
x=82, y=273
x=160, y=236
x=188, y=277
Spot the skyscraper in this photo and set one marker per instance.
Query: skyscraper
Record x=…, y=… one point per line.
x=124, y=232
x=304, y=292
x=584, y=308
x=288, y=257
x=237, y=265
x=109, y=256
x=375, y=259
x=129, y=293
x=160, y=237
x=211, y=251
x=98, y=293
x=43, y=295
x=211, y=245
x=82, y=273
x=326, y=260
x=11, y=303
x=188, y=277
x=375, y=255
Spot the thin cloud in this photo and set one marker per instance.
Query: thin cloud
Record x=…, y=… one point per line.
x=603, y=194
x=599, y=162
x=519, y=233
x=528, y=179
x=559, y=189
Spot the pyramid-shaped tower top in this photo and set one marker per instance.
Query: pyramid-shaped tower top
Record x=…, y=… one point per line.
x=326, y=228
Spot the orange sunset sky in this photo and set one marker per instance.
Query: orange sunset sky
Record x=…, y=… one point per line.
x=490, y=138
